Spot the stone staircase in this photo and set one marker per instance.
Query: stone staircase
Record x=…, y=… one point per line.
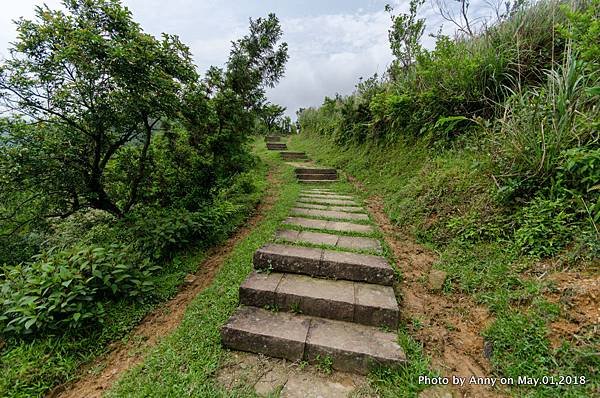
x=320, y=290
x=273, y=138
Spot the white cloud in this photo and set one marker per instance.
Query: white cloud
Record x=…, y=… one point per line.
x=331, y=44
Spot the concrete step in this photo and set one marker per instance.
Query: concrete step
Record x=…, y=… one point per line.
x=349, y=209
x=319, y=190
x=363, y=303
x=325, y=196
x=352, y=347
x=316, y=176
x=321, y=238
x=316, y=181
x=273, y=138
x=337, y=215
x=327, y=201
x=306, y=170
x=342, y=226
x=277, y=145
x=325, y=263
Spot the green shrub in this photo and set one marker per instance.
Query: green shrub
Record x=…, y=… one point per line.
x=66, y=288
x=545, y=226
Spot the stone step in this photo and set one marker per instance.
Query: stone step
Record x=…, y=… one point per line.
x=350, y=209
x=325, y=196
x=326, y=263
x=319, y=190
x=352, y=347
x=306, y=170
x=321, y=238
x=276, y=146
x=357, y=302
x=326, y=201
x=337, y=215
x=316, y=181
x=273, y=138
x=342, y=226
x=316, y=176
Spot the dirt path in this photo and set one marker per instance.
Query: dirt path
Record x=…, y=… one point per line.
x=164, y=319
x=448, y=326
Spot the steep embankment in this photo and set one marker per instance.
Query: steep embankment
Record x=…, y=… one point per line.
x=499, y=312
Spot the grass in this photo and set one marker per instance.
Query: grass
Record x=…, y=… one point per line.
x=32, y=367
x=184, y=363
x=445, y=199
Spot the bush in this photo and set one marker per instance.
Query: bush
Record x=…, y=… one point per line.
x=545, y=226
x=65, y=288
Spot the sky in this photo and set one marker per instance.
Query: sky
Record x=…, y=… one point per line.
x=332, y=43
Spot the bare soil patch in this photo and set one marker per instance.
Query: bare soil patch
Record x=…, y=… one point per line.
x=448, y=326
x=100, y=375
x=578, y=295
x=278, y=377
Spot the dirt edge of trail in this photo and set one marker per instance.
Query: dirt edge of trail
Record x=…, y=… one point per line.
x=447, y=325
x=165, y=318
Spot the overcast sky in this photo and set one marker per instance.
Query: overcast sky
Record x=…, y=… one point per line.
x=331, y=42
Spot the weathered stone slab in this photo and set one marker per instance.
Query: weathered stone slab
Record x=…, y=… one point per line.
x=329, y=225
x=322, y=190
x=356, y=267
x=310, y=170
x=326, y=196
x=316, y=181
x=316, y=297
x=317, y=238
x=358, y=302
x=259, y=289
x=306, y=385
x=353, y=347
x=319, y=193
x=306, y=222
x=280, y=335
x=375, y=305
x=272, y=138
x=358, y=243
x=325, y=177
x=335, y=202
x=286, y=258
x=275, y=146
x=349, y=209
x=349, y=227
x=339, y=215
x=325, y=263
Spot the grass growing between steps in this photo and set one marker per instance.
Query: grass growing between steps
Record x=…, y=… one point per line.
x=402, y=381
x=183, y=364
x=445, y=199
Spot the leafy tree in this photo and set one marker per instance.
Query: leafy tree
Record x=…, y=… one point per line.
x=405, y=33
x=89, y=84
x=271, y=115
x=222, y=111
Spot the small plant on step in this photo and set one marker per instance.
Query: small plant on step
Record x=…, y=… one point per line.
x=325, y=364
x=295, y=308
x=302, y=365
x=272, y=308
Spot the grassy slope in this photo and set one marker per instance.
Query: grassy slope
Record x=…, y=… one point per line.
x=31, y=368
x=440, y=197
